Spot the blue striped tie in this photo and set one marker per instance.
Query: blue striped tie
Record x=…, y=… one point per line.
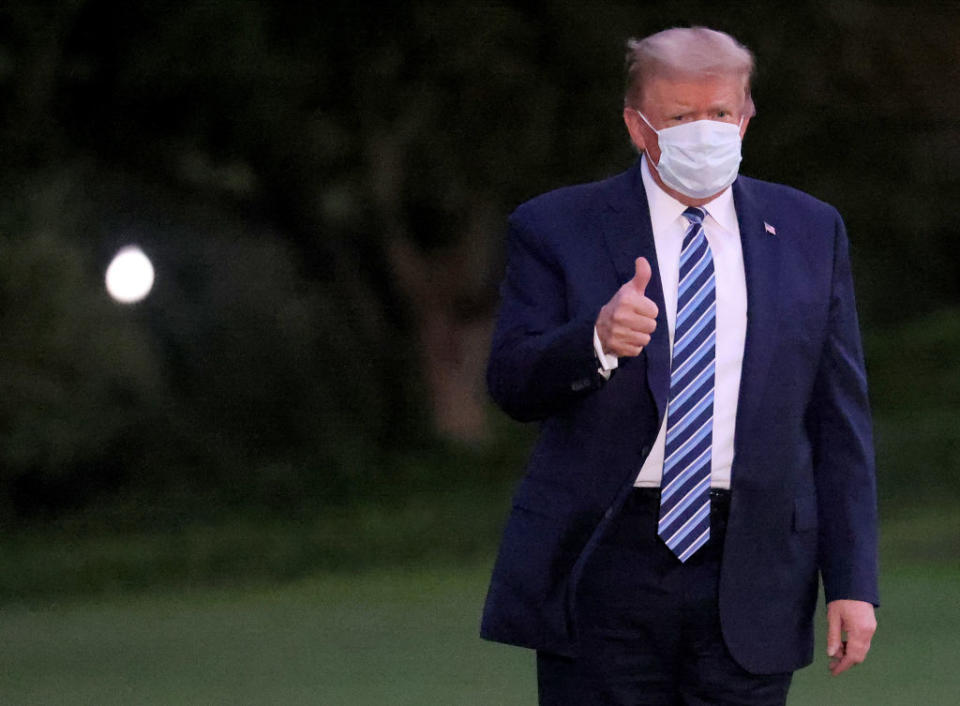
x=685, y=487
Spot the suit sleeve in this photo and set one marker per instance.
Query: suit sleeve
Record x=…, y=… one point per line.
x=541, y=360
x=843, y=447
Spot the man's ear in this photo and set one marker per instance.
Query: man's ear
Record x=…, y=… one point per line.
x=635, y=128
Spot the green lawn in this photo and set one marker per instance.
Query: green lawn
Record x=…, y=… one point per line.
x=390, y=637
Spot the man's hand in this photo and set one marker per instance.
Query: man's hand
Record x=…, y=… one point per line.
x=627, y=320
x=856, y=619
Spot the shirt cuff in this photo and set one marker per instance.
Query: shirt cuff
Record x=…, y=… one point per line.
x=607, y=362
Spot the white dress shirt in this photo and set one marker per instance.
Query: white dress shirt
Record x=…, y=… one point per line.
x=723, y=234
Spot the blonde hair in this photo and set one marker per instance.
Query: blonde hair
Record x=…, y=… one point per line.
x=683, y=53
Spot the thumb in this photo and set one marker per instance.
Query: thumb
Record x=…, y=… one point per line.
x=642, y=275
x=833, y=633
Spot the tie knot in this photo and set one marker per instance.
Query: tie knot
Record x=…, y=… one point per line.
x=695, y=215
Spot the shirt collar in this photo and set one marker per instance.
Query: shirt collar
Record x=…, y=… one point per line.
x=664, y=209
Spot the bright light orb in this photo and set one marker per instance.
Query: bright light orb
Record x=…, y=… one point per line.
x=130, y=275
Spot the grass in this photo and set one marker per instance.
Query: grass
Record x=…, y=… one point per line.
x=398, y=637
x=93, y=619
x=101, y=631
x=402, y=636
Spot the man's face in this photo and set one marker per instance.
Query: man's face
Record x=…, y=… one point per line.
x=667, y=103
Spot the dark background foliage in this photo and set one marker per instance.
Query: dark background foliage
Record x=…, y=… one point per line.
x=323, y=189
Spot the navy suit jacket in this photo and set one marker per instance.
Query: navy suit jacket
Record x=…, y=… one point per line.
x=803, y=500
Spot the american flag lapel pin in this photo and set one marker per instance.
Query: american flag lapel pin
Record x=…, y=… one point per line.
x=769, y=228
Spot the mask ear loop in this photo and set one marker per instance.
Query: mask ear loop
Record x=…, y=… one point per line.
x=644, y=118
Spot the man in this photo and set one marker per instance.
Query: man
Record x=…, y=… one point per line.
x=688, y=340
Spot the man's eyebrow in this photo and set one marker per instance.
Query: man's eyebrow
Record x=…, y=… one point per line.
x=723, y=104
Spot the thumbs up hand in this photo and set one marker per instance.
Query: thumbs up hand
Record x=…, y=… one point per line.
x=627, y=320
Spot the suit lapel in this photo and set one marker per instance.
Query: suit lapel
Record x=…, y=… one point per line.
x=629, y=235
x=761, y=261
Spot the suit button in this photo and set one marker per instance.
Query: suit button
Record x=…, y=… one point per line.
x=645, y=451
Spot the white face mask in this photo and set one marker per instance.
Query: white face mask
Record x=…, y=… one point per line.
x=699, y=158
